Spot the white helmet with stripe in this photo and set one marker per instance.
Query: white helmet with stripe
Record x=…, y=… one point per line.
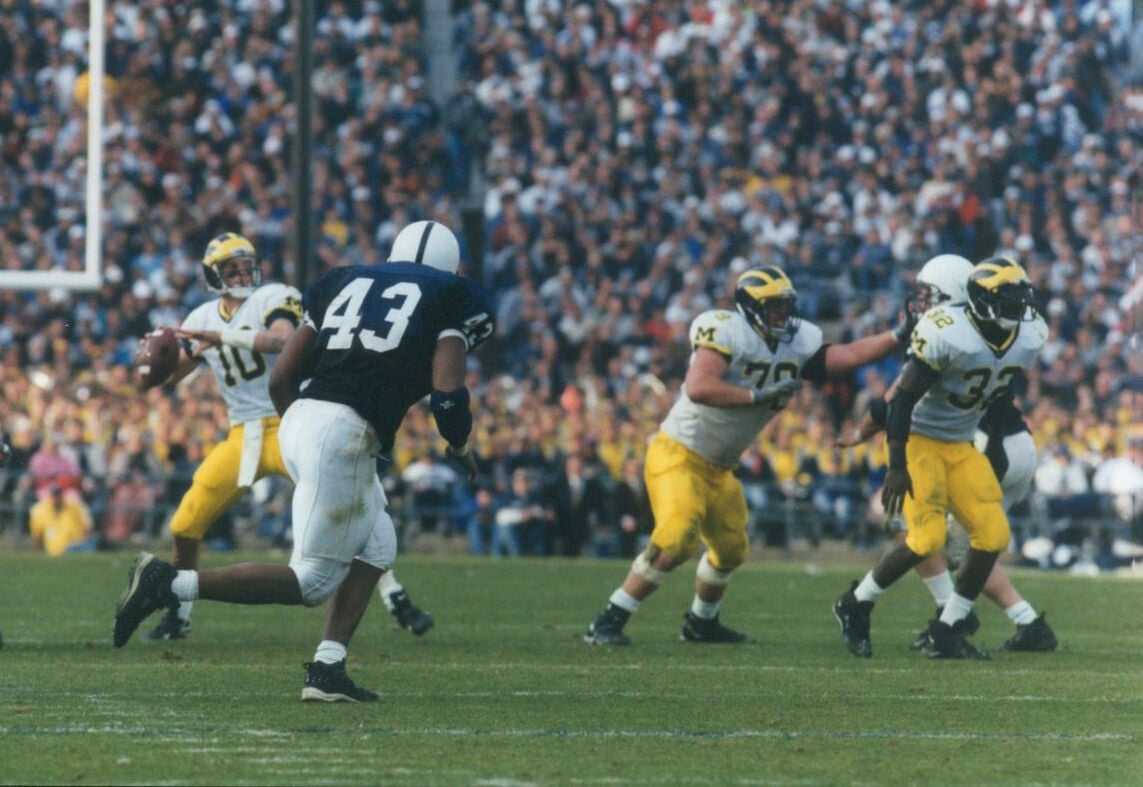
x=427, y=243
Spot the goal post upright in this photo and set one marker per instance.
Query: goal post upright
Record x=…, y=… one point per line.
x=92, y=274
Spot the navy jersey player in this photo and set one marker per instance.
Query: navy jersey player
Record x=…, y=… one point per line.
x=374, y=340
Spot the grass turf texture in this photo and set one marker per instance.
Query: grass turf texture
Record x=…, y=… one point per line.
x=503, y=690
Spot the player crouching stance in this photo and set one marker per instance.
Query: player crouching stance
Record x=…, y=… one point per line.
x=963, y=357
x=745, y=366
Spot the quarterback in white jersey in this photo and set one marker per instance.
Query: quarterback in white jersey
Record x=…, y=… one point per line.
x=963, y=357
x=238, y=335
x=745, y=366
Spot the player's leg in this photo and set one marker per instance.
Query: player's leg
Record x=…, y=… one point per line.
x=214, y=489
x=934, y=571
x=677, y=499
x=728, y=543
x=1032, y=630
x=326, y=678
x=974, y=498
x=924, y=513
x=407, y=614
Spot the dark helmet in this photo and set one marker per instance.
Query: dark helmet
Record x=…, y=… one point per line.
x=766, y=297
x=999, y=292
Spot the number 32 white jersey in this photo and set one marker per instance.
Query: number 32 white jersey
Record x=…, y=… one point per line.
x=721, y=434
x=972, y=372
x=244, y=375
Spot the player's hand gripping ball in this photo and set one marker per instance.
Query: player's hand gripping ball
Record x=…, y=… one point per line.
x=157, y=357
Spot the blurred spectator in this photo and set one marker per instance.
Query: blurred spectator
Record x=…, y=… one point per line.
x=578, y=496
x=59, y=524
x=523, y=524
x=629, y=514
x=49, y=469
x=133, y=480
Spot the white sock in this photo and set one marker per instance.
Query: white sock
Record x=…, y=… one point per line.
x=185, y=586
x=624, y=600
x=330, y=652
x=956, y=609
x=387, y=586
x=707, y=610
x=1021, y=613
x=185, y=608
x=941, y=586
x=867, y=589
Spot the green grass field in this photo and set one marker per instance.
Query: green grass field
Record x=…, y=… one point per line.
x=504, y=692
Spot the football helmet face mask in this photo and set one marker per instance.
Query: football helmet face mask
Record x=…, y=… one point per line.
x=943, y=279
x=427, y=243
x=230, y=266
x=1000, y=293
x=766, y=298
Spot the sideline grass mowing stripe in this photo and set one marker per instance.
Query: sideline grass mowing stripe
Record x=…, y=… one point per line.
x=183, y=734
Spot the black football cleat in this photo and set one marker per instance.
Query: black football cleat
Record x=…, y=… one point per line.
x=330, y=683
x=1034, y=637
x=171, y=626
x=607, y=629
x=854, y=618
x=409, y=615
x=968, y=626
x=696, y=629
x=943, y=641
x=148, y=590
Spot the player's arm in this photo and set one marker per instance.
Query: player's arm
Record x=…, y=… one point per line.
x=292, y=368
x=916, y=378
x=706, y=384
x=270, y=340
x=872, y=422
x=449, y=400
x=841, y=359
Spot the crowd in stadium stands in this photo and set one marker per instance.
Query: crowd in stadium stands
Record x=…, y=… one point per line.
x=630, y=158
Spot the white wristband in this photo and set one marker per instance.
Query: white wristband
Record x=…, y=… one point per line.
x=238, y=337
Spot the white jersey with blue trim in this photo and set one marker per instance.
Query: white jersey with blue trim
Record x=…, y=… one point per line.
x=973, y=373
x=721, y=434
x=244, y=375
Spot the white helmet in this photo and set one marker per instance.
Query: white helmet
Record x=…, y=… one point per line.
x=944, y=279
x=427, y=243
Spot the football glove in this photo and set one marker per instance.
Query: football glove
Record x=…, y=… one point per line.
x=776, y=395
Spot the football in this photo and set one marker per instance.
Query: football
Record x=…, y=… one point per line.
x=157, y=357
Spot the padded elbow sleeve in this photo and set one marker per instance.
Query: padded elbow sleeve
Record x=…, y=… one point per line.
x=899, y=418
x=454, y=419
x=878, y=412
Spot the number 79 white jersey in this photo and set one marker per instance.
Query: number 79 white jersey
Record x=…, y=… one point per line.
x=244, y=375
x=721, y=434
x=973, y=373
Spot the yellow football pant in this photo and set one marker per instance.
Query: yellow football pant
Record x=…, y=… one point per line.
x=215, y=485
x=695, y=500
x=958, y=478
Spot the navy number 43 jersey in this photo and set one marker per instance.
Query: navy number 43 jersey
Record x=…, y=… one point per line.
x=378, y=327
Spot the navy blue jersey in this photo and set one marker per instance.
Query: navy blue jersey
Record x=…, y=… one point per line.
x=378, y=327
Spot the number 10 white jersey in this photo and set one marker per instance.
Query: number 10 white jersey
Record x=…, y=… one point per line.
x=244, y=375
